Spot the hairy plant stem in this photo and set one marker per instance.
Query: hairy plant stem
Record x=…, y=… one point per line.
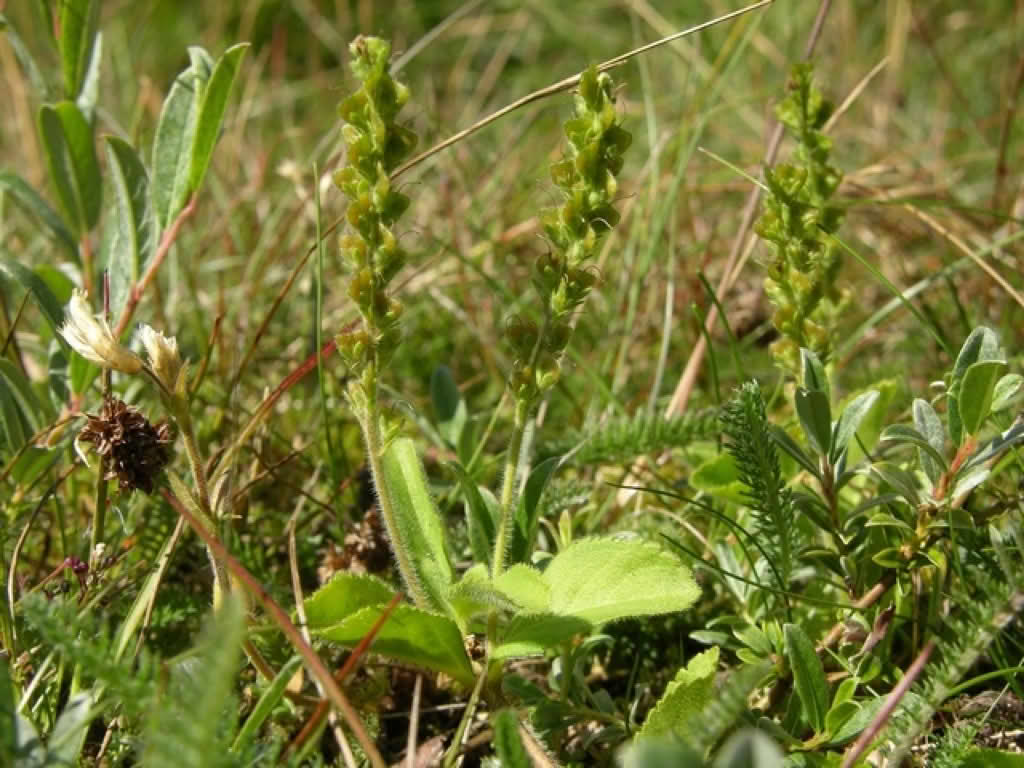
x=508, y=488
x=370, y=422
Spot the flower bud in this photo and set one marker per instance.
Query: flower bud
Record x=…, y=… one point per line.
x=163, y=357
x=90, y=336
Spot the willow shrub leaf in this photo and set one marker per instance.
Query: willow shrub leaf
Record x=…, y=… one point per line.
x=607, y=579
x=812, y=407
x=527, y=517
x=976, y=393
x=1006, y=390
x=929, y=425
x=927, y=444
x=808, y=676
x=420, y=638
x=480, y=515
x=134, y=232
x=791, y=448
x=686, y=696
x=79, y=22
x=981, y=344
x=420, y=529
x=25, y=59
x=508, y=746
x=33, y=203
x=49, y=305
x=850, y=421
x=81, y=373
x=851, y=727
x=812, y=373
x=71, y=158
x=175, y=135
x=211, y=113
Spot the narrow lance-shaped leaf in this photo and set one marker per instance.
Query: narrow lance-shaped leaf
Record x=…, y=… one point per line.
x=211, y=113
x=929, y=425
x=21, y=412
x=815, y=415
x=74, y=169
x=480, y=522
x=78, y=24
x=51, y=308
x=528, y=512
x=808, y=676
x=25, y=60
x=33, y=203
x=449, y=407
x=813, y=373
x=175, y=133
x=133, y=240
x=981, y=344
x=850, y=420
x=420, y=532
x=265, y=706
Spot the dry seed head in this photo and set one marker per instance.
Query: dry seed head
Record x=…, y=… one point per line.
x=136, y=450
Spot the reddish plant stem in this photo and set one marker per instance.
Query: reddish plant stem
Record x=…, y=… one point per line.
x=897, y=693
x=314, y=663
x=166, y=241
x=321, y=709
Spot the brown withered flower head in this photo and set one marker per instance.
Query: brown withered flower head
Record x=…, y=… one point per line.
x=136, y=450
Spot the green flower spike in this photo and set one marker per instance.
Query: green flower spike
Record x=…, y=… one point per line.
x=797, y=220
x=376, y=145
x=563, y=277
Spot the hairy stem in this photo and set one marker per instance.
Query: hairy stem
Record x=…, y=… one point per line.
x=508, y=489
x=370, y=422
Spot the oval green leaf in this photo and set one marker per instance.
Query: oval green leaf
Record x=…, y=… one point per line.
x=976, y=392
x=607, y=579
x=411, y=635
